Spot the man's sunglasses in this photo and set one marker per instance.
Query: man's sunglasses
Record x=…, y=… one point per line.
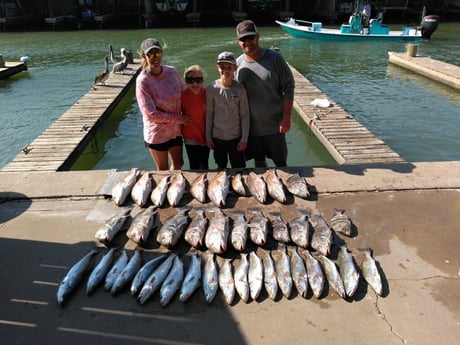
x=248, y=38
x=197, y=80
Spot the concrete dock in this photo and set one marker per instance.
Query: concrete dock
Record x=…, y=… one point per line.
x=407, y=213
x=436, y=70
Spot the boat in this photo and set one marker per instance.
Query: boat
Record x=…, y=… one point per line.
x=350, y=31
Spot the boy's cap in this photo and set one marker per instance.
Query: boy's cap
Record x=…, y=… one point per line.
x=226, y=57
x=149, y=44
x=246, y=28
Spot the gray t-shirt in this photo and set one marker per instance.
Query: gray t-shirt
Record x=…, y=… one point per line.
x=227, y=112
x=268, y=82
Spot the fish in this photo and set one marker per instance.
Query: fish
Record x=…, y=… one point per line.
x=199, y=187
x=194, y=234
x=142, y=189
x=341, y=223
x=322, y=235
x=155, y=280
x=270, y=282
x=333, y=276
x=257, y=187
x=370, y=271
x=316, y=278
x=283, y=270
x=75, y=276
x=122, y=188
x=115, y=270
x=239, y=186
x=176, y=189
x=142, y=225
x=348, y=271
x=255, y=275
x=159, y=192
x=218, y=189
x=275, y=187
x=300, y=229
x=299, y=273
x=239, y=233
x=258, y=227
x=173, y=282
x=280, y=230
x=217, y=233
x=298, y=186
x=128, y=273
x=210, y=278
x=144, y=272
x=192, y=280
x=173, y=228
x=241, y=278
x=226, y=281
x=99, y=272
x=107, y=232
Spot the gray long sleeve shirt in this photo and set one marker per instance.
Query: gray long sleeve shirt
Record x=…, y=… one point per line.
x=227, y=112
x=268, y=82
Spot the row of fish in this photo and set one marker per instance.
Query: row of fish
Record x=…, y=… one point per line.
x=140, y=186
x=276, y=270
x=219, y=230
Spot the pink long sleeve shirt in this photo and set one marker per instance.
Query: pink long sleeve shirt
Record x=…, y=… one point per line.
x=159, y=99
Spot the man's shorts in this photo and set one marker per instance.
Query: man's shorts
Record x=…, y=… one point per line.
x=272, y=146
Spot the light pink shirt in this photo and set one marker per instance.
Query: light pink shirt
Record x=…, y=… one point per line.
x=159, y=99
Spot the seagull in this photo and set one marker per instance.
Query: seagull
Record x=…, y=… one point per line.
x=101, y=77
x=119, y=67
x=113, y=58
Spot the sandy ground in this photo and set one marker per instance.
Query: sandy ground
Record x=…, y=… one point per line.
x=407, y=214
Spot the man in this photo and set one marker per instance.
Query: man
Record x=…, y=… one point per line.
x=366, y=14
x=270, y=88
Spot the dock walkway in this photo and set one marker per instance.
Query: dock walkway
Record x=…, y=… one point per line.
x=439, y=71
x=58, y=147
x=345, y=138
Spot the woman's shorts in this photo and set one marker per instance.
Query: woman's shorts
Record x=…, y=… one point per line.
x=177, y=141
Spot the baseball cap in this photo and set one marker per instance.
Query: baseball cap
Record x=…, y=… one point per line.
x=226, y=57
x=246, y=28
x=149, y=44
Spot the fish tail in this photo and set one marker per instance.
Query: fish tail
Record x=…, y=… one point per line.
x=304, y=212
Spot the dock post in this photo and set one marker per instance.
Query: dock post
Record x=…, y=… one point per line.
x=412, y=50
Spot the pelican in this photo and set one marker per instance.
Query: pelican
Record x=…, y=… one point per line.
x=119, y=67
x=101, y=77
x=113, y=58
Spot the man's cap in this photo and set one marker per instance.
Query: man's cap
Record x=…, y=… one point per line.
x=226, y=57
x=246, y=28
x=149, y=44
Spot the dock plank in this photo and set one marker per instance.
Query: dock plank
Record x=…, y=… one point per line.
x=62, y=142
x=346, y=139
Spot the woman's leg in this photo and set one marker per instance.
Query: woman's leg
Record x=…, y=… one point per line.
x=160, y=158
x=175, y=155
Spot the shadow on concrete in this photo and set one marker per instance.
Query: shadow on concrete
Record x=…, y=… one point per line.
x=31, y=314
x=21, y=201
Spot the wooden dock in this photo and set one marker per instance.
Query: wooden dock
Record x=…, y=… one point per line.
x=58, y=147
x=345, y=138
x=12, y=68
x=439, y=71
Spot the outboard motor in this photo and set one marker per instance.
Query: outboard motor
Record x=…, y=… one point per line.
x=429, y=25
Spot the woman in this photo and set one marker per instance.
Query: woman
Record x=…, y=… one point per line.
x=158, y=93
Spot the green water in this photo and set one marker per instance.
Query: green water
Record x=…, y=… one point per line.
x=418, y=118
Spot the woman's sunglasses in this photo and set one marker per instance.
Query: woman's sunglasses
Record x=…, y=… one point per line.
x=197, y=80
x=156, y=54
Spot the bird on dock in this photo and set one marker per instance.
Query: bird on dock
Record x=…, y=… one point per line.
x=114, y=59
x=101, y=77
x=119, y=67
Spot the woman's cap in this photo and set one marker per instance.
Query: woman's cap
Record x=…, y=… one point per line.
x=246, y=28
x=226, y=57
x=149, y=44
